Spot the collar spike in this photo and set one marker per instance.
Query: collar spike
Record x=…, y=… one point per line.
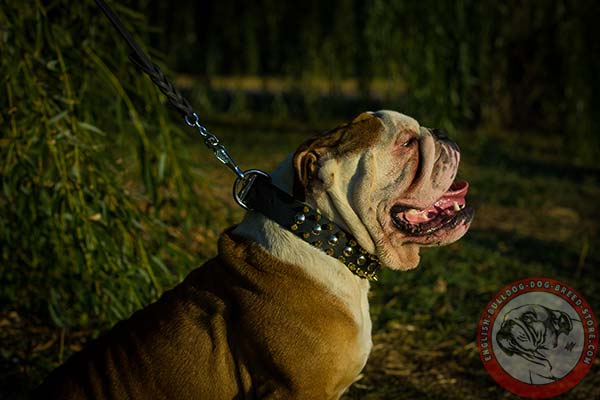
x=293, y=215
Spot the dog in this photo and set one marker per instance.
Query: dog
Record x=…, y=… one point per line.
x=532, y=332
x=272, y=317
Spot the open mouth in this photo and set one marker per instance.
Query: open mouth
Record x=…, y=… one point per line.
x=447, y=212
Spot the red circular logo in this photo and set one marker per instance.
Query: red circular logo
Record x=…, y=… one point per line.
x=537, y=338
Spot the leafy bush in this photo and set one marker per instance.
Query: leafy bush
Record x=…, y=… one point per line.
x=80, y=235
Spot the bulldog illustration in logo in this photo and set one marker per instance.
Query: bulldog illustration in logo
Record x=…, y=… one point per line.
x=537, y=337
x=532, y=332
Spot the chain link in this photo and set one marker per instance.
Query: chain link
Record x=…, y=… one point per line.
x=213, y=143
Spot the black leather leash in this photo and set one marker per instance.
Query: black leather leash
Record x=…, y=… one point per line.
x=253, y=189
x=142, y=61
x=139, y=58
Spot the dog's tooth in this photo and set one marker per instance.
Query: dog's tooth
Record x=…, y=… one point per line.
x=412, y=211
x=456, y=206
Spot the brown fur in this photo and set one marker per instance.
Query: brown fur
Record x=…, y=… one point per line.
x=249, y=325
x=237, y=327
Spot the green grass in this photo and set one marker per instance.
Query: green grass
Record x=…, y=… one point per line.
x=535, y=216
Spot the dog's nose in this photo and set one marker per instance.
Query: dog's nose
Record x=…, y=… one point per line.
x=439, y=134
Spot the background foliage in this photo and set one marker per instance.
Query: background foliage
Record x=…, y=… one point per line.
x=83, y=218
x=105, y=202
x=527, y=64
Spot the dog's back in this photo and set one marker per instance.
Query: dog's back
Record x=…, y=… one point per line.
x=238, y=327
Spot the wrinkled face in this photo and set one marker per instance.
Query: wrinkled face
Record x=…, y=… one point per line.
x=530, y=328
x=388, y=181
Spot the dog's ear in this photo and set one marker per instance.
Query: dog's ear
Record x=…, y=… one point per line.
x=347, y=138
x=305, y=162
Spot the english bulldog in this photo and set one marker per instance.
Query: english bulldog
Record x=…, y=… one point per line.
x=532, y=332
x=272, y=317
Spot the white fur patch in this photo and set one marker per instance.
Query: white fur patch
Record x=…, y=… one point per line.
x=327, y=271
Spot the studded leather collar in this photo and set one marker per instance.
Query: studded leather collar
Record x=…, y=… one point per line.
x=308, y=224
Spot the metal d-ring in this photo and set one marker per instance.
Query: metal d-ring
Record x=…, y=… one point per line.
x=239, y=194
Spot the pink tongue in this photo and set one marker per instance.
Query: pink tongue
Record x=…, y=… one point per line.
x=444, y=204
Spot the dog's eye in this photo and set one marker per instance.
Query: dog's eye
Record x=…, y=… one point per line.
x=527, y=318
x=410, y=142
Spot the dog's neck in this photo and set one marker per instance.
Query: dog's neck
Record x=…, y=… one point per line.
x=348, y=288
x=287, y=247
x=337, y=201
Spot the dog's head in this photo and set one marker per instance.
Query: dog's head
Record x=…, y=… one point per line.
x=527, y=330
x=389, y=182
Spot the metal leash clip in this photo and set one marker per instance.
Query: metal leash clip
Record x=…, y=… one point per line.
x=213, y=143
x=245, y=179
